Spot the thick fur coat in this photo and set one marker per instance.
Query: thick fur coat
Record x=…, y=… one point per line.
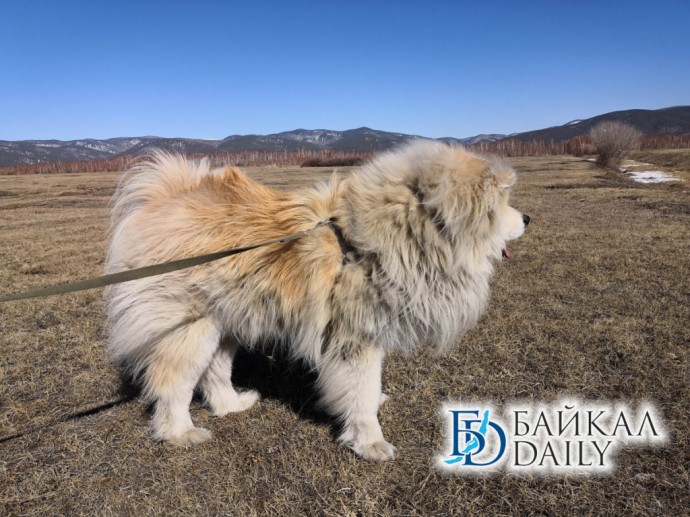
x=406, y=263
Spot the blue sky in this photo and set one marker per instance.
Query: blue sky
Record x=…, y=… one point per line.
x=209, y=69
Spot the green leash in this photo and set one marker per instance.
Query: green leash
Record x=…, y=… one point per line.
x=147, y=271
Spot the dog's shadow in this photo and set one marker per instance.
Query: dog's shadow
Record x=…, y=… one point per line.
x=273, y=374
x=279, y=377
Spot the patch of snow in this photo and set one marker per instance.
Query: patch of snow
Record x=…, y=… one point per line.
x=572, y=123
x=94, y=146
x=650, y=176
x=470, y=140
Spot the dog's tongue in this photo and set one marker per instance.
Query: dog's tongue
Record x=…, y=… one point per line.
x=505, y=252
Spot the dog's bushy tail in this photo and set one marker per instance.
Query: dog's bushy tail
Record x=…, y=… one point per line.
x=160, y=177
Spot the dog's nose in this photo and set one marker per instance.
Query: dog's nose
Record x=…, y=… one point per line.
x=525, y=219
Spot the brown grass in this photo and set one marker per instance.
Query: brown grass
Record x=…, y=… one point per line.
x=593, y=304
x=678, y=159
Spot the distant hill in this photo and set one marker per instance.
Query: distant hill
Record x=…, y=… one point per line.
x=666, y=120
x=493, y=137
x=179, y=145
x=649, y=122
x=360, y=139
x=35, y=151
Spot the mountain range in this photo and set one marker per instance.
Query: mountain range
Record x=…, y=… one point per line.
x=666, y=120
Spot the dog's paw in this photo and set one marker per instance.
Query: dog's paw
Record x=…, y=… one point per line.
x=377, y=451
x=193, y=436
x=238, y=402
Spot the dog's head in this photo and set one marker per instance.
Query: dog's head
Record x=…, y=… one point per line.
x=437, y=196
x=469, y=195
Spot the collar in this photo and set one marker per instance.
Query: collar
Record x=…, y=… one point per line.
x=345, y=245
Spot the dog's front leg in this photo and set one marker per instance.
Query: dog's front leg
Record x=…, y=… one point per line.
x=350, y=386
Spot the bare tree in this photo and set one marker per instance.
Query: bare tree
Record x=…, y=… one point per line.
x=613, y=141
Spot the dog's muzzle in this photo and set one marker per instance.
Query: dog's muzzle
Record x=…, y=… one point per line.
x=504, y=251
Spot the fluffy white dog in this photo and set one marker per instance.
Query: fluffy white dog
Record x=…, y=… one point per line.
x=405, y=262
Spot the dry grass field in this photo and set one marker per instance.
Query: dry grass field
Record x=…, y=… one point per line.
x=594, y=303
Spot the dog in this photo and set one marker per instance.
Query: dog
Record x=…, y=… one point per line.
x=404, y=262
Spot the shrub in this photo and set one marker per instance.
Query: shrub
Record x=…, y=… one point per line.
x=613, y=141
x=346, y=161
x=312, y=162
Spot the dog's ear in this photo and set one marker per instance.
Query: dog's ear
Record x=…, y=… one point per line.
x=500, y=174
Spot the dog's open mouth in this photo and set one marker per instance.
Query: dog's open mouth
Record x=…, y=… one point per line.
x=504, y=252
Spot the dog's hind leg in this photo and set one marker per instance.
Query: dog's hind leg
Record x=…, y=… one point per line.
x=217, y=388
x=351, y=390
x=175, y=367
